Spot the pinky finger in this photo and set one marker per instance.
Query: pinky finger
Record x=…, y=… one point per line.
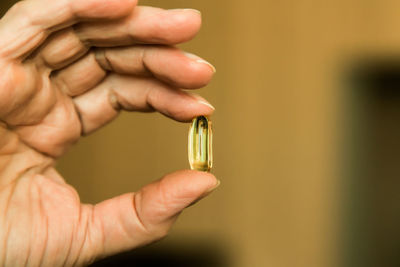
x=102, y=104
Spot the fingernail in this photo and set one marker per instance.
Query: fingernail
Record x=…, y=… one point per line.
x=192, y=9
x=186, y=9
x=205, y=194
x=207, y=63
x=215, y=187
x=206, y=103
x=201, y=100
x=200, y=60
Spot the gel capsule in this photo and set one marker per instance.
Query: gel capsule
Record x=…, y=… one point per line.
x=200, y=144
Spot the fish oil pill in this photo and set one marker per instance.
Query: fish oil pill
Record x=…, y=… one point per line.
x=200, y=144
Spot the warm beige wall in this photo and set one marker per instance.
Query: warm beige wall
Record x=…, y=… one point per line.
x=276, y=94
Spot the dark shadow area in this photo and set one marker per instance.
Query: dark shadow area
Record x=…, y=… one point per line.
x=165, y=253
x=372, y=180
x=5, y=5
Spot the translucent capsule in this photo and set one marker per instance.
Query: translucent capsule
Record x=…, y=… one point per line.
x=200, y=144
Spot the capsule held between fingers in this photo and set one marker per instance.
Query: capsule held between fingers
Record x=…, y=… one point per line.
x=200, y=144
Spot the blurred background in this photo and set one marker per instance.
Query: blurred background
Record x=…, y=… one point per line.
x=306, y=139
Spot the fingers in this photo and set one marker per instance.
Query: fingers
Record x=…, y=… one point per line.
x=102, y=104
x=79, y=77
x=145, y=25
x=148, y=25
x=164, y=63
x=60, y=49
x=29, y=22
x=133, y=220
x=56, y=132
x=167, y=64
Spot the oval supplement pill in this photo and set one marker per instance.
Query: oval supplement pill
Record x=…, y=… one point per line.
x=200, y=144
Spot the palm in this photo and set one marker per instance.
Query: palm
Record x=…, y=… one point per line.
x=44, y=222
x=55, y=88
x=38, y=204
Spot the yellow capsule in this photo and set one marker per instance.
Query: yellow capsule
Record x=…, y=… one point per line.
x=200, y=144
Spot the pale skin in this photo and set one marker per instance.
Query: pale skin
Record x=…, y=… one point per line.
x=68, y=67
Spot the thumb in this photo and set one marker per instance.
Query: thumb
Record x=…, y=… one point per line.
x=136, y=219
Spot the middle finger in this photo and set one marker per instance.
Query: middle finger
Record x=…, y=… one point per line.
x=167, y=64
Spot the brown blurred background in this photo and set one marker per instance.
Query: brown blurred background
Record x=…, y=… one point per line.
x=305, y=144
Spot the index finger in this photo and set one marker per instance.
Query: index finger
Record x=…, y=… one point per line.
x=28, y=23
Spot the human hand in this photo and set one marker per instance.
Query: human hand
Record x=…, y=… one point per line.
x=68, y=68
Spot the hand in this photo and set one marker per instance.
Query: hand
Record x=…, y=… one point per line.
x=67, y=68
